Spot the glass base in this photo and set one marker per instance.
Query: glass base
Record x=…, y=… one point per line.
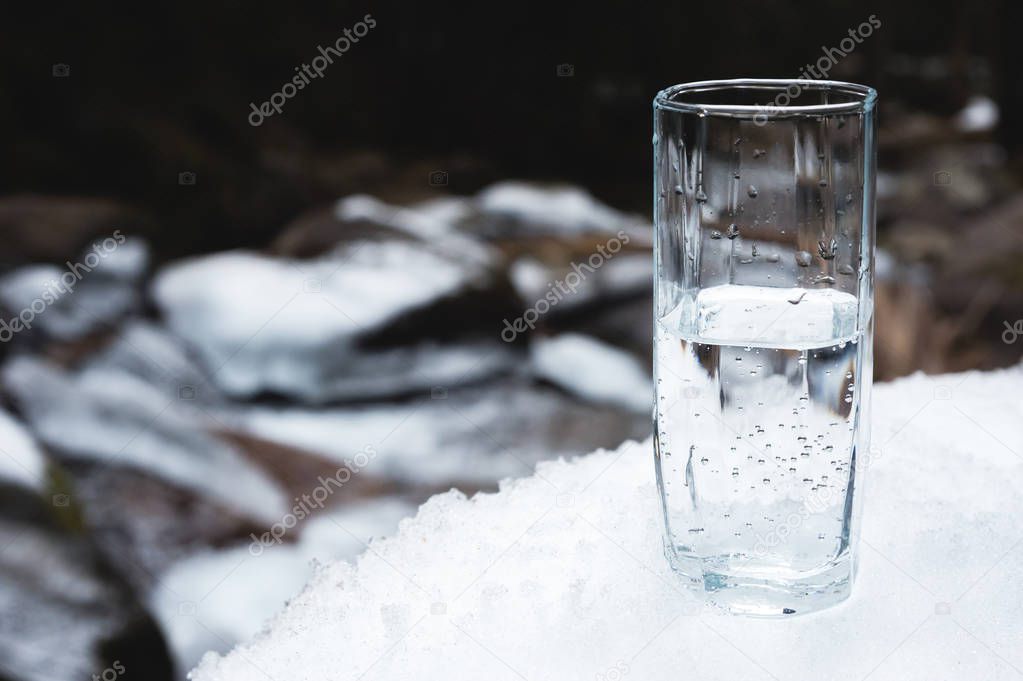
x=759, y=596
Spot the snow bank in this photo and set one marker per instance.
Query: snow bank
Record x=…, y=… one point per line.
x=561, y=576
x=21, y=461
x=594, y=370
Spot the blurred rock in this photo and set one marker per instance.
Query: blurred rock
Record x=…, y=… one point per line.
x=70, y=302
x=65, y=616
x=375, y=318
x=55, y=228
x=594, y=371
x=114, y=420
x=468, y=437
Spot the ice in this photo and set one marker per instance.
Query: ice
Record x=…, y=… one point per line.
x=561, y=575
x=766, y=316
x=593, y=370
x=21, y=461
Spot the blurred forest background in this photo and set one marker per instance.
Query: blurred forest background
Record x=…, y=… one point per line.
x=334, y=281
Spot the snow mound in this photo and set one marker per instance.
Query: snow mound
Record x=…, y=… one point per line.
x=21, y=460
x=561, y=575
x=593, y=370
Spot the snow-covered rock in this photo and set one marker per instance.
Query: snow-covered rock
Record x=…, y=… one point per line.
x=593, y=370
x=561, y=575
x=551, y=210
x=21, y=461
x=311, y=329
x=66, y=303
x=472, y=436
x=116, y=419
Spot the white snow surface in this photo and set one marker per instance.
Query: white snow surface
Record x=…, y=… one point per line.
x=199, y=609
x=593, y=370
x=561, y=575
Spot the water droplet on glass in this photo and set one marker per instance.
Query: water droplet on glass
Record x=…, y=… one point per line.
x=803, y=258
x=757, y=153
x=773, y=257
x=847, y=270
x=679, y=190
x=823, y=183
x=714, y=234
x=733, y=231
x=752, y=191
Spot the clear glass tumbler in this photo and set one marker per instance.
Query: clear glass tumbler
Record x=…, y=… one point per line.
x=764, y=218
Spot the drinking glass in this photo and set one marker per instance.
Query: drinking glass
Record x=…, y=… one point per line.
x=764, y=219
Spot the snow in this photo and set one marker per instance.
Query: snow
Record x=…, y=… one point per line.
x=473, y=436
x=980, y=114
x=573, y=210
x=264, y=324
x=593, y=370
x=199, y=610
x=21, y=461
x=115, y=418
x=561, y=575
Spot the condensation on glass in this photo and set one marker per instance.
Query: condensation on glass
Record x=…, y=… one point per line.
x=764, y=214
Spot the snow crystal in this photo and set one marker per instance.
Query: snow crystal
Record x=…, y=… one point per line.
x=561, y=575
x=593, y=370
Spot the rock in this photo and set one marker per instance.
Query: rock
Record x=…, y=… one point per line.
x=373, y=319
x=111, y=418
x=55, y=228
x=470, y=437
x=595, y=371
x=67, y=304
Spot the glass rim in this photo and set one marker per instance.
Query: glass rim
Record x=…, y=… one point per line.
x=862, y=97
